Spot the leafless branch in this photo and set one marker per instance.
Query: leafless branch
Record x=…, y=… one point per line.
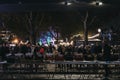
x=41, y=20
x=81, y=17
x=29, y=26
x=39, y=24
x=86, y=18
x=93, y=19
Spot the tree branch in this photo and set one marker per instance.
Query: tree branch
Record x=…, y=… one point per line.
x=41, y=20
x=92, y=20
x=86, y=18
x=39, y=23
x=29, y=26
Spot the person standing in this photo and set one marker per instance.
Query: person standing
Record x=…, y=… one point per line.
x=107, y=56
x=107, y=51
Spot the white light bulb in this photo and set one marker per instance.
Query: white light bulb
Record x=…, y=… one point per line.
x=99, y=30
x=100, y=3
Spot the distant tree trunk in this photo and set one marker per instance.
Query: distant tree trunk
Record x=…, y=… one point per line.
x=86, y=23
x=33, y=37
x=85, y=34
x=85, y=30
x=34, y=26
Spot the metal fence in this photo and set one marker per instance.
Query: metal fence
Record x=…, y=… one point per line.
x=79, y=70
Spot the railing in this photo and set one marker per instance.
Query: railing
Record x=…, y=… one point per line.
x=32, y=69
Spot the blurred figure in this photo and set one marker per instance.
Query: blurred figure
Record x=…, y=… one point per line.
x=107, y=51
x=98, y=51
x=36, y=51
x=97, y=48
x=16, y=49
x=4, y=49
x=23, y=49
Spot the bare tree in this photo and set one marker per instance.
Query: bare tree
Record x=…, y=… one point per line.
x=4, y=19
x=34, y=25
x=86, y=24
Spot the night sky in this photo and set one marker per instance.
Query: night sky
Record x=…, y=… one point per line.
x=67, y=18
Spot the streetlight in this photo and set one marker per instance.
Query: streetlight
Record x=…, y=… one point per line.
x=99, y=32
x=66, y=2
x=97, y=3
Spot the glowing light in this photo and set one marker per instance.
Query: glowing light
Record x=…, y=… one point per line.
x=100, y=3
x=48, y=40
x=61, y=41
x=71, y=43
x=21, y=42
x=67, y=44
x=49, y=37
x=53, y=41
x=68, y=4
x=99, y=30
x=40, y=42
x=97, y=3
x=77, y=35
x=46, y=45
x=27, y=42
x=94, y=36
x=15, y=41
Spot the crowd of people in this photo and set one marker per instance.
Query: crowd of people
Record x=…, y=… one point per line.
x=38, y=52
